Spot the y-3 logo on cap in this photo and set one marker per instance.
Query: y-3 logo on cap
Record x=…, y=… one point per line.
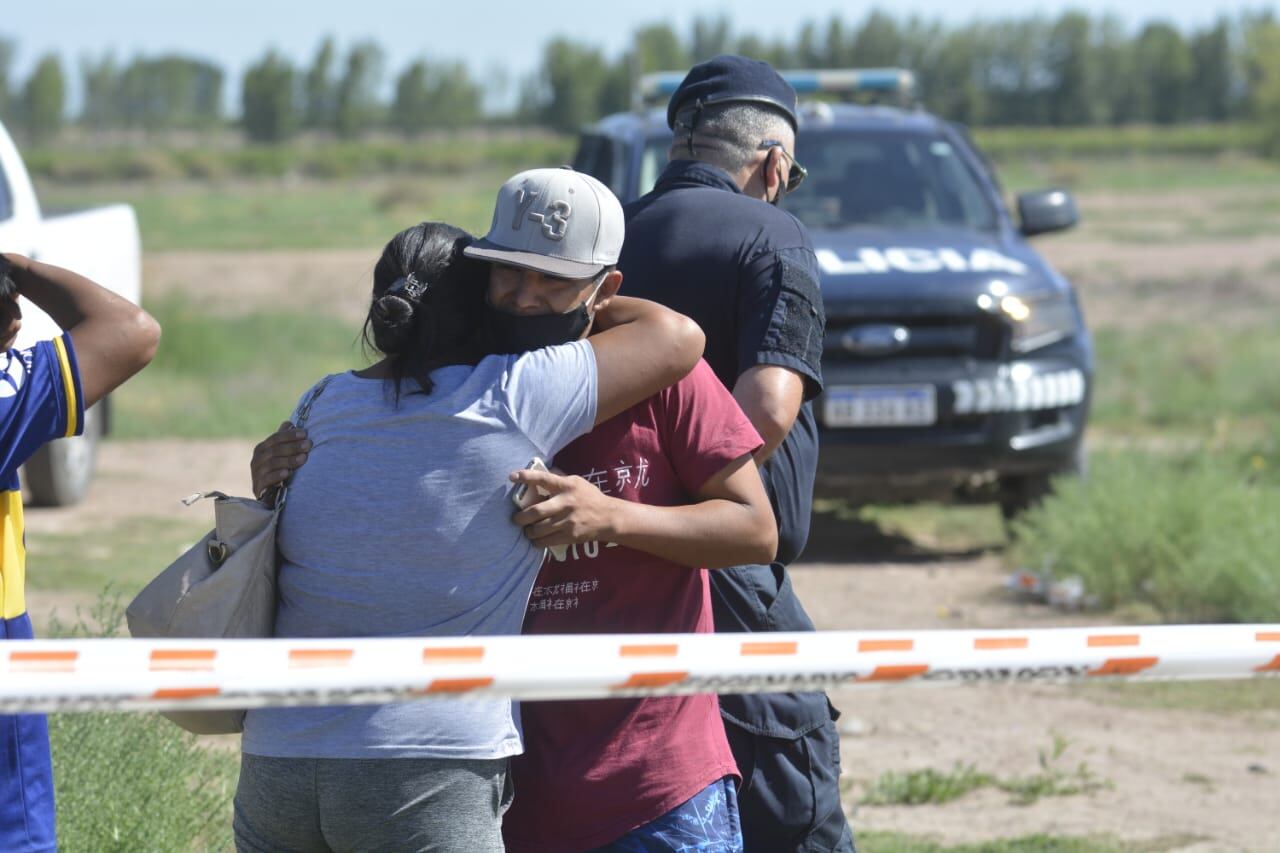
x=555, y=222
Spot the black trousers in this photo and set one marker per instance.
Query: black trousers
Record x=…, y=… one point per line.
x=786, y=744
x=789, y=799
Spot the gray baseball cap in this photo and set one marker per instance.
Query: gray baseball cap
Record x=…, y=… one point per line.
x=555, y=221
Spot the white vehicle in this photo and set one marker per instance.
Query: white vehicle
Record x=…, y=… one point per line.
x=102, y=244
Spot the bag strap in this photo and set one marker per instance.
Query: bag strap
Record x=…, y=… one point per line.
x=304, y=412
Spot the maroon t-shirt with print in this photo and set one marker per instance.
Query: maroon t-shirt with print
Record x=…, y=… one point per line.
x=593, y=771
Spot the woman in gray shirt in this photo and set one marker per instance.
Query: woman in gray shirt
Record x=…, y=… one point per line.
x=399, y=525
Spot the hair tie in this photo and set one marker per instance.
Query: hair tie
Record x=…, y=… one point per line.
x=410, y=287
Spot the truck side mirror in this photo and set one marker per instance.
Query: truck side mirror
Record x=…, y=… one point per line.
x=1043, y=211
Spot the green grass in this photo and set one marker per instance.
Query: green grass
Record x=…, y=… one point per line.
x=873, y=841
x=1185, y=377
x=131, y=782
x=356, y=195
x=275, y=214
x=1147, y=174
x=1148, y=219
x=284, y=213
x=299, y=196
x=125, y=556
x=927, y=786
x=1100, y=141
x=135, y=782
x=89, y=161
x=1051, y=782
x=1191, y=537
x=1211, y=697
x=218, y=376
x=934, y=787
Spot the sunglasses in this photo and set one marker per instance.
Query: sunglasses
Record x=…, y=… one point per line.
x=797, y=173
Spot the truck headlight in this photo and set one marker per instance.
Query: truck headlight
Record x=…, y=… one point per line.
x=1039, y=319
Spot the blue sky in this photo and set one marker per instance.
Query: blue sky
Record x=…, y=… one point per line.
x=489, y=36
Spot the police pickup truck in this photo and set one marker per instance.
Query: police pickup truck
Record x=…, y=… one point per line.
x=957, y=364
x=102, y=244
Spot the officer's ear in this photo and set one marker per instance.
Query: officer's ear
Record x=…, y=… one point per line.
x=608, y=289
x=775, y=172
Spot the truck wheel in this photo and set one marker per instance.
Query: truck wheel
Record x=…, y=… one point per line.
x=60, y=471
x=1019, y=494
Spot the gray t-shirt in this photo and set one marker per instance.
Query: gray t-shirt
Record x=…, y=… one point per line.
x=400, y=524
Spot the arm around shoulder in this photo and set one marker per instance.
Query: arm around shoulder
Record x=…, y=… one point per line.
x=640, y=348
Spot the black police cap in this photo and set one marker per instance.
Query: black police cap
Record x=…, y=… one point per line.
x=729, y=79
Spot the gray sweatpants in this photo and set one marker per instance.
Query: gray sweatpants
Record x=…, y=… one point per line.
x=393, y=804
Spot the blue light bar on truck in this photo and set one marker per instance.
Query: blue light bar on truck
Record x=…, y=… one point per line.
x=892, y=81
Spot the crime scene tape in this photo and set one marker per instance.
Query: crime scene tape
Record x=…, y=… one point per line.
x=152, y=675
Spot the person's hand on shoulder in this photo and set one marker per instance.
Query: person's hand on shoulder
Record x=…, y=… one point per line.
x=641, y=348
x=275, y=458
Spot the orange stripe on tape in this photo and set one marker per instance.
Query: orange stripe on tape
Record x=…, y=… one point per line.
x=986, y=644
x=454, y=653
x=659, y=650
x=886, y=645
x=185, y=692
x=188, y=660
x=1274, y=666
x=1124, y=666
x=1268, y=637
x=896, y=673
x=770, y=648
x=457, y=685
x=43, y=661
x=1098, y=641
x=319, y=658
x=652, y=679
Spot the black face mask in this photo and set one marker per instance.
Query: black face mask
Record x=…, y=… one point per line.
x=519, y=333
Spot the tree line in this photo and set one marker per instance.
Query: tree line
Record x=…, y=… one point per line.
x=1072, y=70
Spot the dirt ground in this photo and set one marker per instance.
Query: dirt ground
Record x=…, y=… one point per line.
x=1179, y=779
x=1188, y=277
x=1157, y=762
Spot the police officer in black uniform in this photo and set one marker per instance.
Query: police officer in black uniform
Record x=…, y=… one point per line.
x=710, y=242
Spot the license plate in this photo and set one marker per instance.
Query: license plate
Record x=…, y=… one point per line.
x=880, y=406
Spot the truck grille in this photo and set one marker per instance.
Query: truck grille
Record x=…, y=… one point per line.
x=979, y=336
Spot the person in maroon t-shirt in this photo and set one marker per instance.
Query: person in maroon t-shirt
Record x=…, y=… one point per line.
x=626, y=763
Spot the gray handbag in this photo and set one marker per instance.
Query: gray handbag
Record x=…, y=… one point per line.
x=224, y=586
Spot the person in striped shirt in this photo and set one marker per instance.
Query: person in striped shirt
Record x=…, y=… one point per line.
x=44, y=391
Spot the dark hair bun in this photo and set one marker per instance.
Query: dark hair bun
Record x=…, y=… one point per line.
x=392, y=319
